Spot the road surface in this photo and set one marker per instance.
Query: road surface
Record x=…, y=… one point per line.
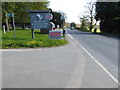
x=67, y=66
x=103, y=48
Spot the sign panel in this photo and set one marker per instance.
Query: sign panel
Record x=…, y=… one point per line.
x=49, y=16
x=40, y=20
x=54, y=34
x=9, y=15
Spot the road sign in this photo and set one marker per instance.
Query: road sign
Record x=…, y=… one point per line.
x=49, y=16
x=9, y=15
x=54, y=34
x=40, y=19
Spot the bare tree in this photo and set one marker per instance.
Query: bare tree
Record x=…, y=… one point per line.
x=90, y=14
x=84, y=22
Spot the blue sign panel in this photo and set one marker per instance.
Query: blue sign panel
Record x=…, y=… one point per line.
x=39, y=21
x=9, y=15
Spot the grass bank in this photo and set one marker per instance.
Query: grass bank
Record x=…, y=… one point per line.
x=116, y=35
x=24, y=40
x=87, y=30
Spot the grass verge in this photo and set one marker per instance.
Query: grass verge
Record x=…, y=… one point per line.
x=24, y=40
x=116, y=35
x=87, y=30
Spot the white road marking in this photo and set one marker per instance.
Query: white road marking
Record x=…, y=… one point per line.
x=111, y=76
x=17, y=50
x=11, y=50
x=70, y=36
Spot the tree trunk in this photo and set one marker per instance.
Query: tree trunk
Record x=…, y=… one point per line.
x=95, y=30
x=23, y=26
x=7, y=26
x=90, y=29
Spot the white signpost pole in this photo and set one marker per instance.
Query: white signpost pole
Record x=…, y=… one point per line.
x=4, y=28
x=7, y=26
x=14, y=25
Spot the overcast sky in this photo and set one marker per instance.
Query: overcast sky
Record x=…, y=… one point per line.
x=73, y=8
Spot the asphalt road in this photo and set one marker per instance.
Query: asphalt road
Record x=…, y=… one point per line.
x=67, y=66
x=102, y=48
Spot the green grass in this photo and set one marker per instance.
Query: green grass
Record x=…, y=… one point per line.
x=102, y=33
x=87, y=30
x=82, y=30
x=59, y=28
x=98, y=30
x=24, y=39
x=117, y=35
x=0, y=37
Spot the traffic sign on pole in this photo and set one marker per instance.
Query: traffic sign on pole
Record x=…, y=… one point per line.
x=49, y=16
x=9, y=15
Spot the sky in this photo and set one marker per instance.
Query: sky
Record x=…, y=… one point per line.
x=72, y=8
